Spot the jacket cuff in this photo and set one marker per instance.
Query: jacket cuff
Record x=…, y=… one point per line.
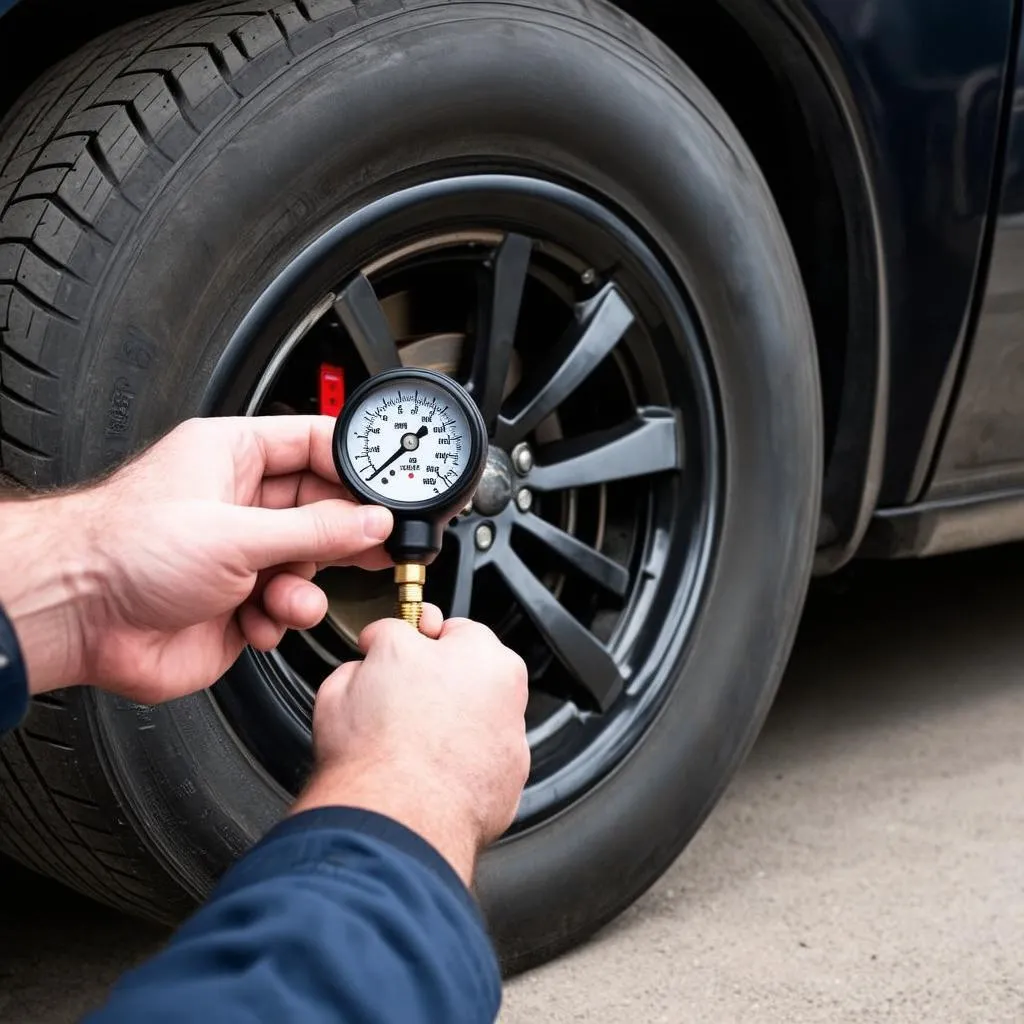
x=302, y=839
x=13, y=677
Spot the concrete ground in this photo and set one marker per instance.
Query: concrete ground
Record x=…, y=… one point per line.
x=866, y=865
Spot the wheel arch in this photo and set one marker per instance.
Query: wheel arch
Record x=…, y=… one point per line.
x=774, y=72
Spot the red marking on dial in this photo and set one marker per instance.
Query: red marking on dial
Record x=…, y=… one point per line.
x=411, y=475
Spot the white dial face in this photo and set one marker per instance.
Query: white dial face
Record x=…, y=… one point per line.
x=408, y=441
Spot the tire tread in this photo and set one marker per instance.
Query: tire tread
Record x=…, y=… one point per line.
x=81, y=155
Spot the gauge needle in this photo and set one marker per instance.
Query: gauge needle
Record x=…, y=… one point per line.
x=405, y=446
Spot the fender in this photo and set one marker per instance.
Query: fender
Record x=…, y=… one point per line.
x=927, y=87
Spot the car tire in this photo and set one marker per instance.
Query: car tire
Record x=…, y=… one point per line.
x=152, y=183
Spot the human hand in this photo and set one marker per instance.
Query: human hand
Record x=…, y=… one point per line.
x=156, y=578
x=430, y=732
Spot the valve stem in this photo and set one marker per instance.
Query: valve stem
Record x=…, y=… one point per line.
x=410, y=578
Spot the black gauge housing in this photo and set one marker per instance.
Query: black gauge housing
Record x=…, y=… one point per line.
x=419, y=525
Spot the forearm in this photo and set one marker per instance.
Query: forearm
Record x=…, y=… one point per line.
x=336, y=915
x=402, y=794
x=48, y=581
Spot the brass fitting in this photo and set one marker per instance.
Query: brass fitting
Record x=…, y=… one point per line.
x=410, y=578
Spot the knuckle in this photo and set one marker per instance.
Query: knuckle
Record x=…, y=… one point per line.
x=338, y=678
x=392, y=632
x=191, y=429
x=525, y=759
x=396, y=629
x=517, y=760
x=486, y=635
x=518, y=673
x=477, y=631
x=332, y=688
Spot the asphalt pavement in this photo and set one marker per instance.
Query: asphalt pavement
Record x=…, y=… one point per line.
x=866, y=865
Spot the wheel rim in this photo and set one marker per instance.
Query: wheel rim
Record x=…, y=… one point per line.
x=581, y=351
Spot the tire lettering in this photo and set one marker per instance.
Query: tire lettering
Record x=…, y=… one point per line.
x=119, y=408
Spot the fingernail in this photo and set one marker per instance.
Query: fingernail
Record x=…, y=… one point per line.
x=376, y=522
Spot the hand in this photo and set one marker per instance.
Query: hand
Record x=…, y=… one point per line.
x=150, y=583
x=427, y=731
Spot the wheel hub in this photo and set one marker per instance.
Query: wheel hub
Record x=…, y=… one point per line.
x=495, y=490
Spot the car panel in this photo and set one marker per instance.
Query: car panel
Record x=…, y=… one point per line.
x=928, y=82
x=983, y=449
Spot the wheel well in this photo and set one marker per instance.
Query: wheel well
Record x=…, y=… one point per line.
x=775, y=95
x=765, y=109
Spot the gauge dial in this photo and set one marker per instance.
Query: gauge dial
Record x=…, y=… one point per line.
x=408, y=441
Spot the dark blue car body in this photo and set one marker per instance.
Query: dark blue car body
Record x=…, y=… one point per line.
x=931, y=91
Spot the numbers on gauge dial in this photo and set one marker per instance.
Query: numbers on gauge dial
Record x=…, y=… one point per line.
x=409, y=442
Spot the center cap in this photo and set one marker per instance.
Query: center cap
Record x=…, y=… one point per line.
x=495, y=490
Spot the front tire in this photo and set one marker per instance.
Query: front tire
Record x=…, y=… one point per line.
x=157, y=185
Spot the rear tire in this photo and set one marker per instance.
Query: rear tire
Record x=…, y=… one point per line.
x=151, y=184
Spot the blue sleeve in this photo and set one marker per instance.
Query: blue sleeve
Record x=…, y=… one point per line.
x=13, y=680
x=337, y=915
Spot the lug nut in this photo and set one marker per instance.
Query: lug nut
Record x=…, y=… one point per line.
x=484, y=536
x=522, y=458
x=588, y=276
x=524, y=499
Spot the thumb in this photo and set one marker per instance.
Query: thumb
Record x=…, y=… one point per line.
x=324, y=531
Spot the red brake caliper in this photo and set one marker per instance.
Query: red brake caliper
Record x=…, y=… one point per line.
x=332, y=389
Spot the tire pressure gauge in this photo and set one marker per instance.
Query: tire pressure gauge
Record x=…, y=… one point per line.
x=413, y=441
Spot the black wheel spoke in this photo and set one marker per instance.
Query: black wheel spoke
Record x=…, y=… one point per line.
x=361, y=315
x=647, y=444
x=582, y=557
x=462, y=590
x=491, y=359
x=601, y=323
x=573, y=644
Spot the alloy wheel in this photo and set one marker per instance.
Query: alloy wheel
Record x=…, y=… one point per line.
x=587, y=544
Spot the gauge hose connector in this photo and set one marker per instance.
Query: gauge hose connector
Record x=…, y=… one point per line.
x=410, y=578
